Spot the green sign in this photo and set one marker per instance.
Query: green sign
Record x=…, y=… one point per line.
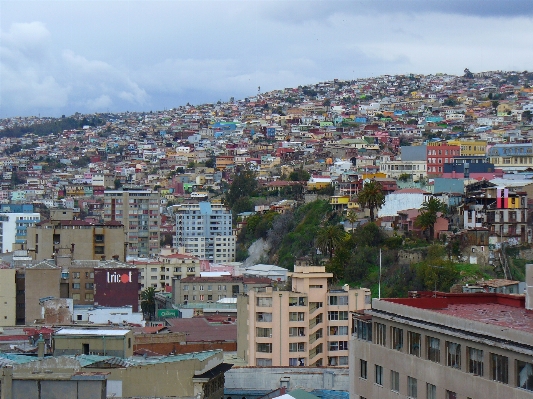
x=167, y=313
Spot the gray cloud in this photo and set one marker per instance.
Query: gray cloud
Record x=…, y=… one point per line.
x=63, y=57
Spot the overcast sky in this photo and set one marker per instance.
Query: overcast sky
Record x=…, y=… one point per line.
x=61, y=57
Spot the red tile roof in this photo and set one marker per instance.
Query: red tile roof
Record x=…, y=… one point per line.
x=490, y=308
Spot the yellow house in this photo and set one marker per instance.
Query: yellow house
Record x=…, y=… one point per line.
x=318, y=182
x=470, y=147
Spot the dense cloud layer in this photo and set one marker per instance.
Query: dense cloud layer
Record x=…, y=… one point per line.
x=62, y=57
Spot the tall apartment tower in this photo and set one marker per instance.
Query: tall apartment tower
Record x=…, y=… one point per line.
x=204, y=230
x=306, y=326
x=138, y=211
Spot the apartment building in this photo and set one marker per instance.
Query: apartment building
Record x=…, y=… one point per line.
x=444, y=346
x=8, y=292
x=438, y=154
x=511, y=157
x=160, y=273
x=394, y=169
x=211, y=289
x=205, y=230
x=501, y=210
x=15, y=220
x=307, y=325
x=84, y=240
x=138, y=211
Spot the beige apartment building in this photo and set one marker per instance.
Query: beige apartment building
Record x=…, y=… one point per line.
x=444, y=346
x=80, y=239
x=160, y=273
x=307, y=325
x=8, y=293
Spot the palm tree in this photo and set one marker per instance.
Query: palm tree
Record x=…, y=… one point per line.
x=329, y=238
x=148, y=302
x=429, y=214
x=352, y=218
x=371, y=196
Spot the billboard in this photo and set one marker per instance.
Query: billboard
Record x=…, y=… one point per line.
x=168, y=313
x=117, y=287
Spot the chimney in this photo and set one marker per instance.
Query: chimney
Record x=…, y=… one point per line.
x=40, y=346
x=529, y=286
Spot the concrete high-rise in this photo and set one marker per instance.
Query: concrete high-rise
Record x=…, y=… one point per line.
x=204, y=230
x=138, y=211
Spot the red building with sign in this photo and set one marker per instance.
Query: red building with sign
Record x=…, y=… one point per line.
x=117, y=286
x=438, y=154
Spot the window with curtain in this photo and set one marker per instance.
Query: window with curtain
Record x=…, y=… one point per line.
x=475, y=361
x=453, y=355
x=524, y=375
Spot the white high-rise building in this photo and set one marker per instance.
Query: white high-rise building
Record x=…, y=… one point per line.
x=204, y=230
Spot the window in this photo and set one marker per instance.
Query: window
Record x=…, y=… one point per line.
x=379, y=375
x=264, y=317
x=333, y=315
x=297, y=347
x=76, y=297
x=185, y=297
x=263, y=332
x=338, y=330
x=433, y=349
x=89, y=296
x=186, y=287
x=453, y=355
x=89, y=286
x=338, y=300
x=413, y=340
x=411, y=388
x=75, y=286
x=201, y=297
x=265, y=348
x=264, y=302
x=380, y=334
x=296, y=332
x=394, y=381
x=296, y=316
x=499, y=367
x=431, y=391
x=76, y=275
x=396, y=338
x=524, y=375
x=363, y=369
x=343, y=360
x=293, y=361
x=210, y=297
x=475, y=361
x=260, y=362
x=363, y=330
x=450, y=395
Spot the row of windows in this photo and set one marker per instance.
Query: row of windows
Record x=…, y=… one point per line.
x=498, y=364
x=201, y=287
x=412, y=383
x=202, y=297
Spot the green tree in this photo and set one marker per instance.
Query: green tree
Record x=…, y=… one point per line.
x=371, y=196
x=329, y=238
x=148, y=302
x=429, y=214
x=526, y=116
x=299, y=175
x=242, y=187
x=351, y=217
x=436, y=272
x=210, y=163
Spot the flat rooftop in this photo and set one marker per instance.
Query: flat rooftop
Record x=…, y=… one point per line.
x=503, y=310
x=91, y=332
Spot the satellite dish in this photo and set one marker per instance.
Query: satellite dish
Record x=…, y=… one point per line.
x=367, y=180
